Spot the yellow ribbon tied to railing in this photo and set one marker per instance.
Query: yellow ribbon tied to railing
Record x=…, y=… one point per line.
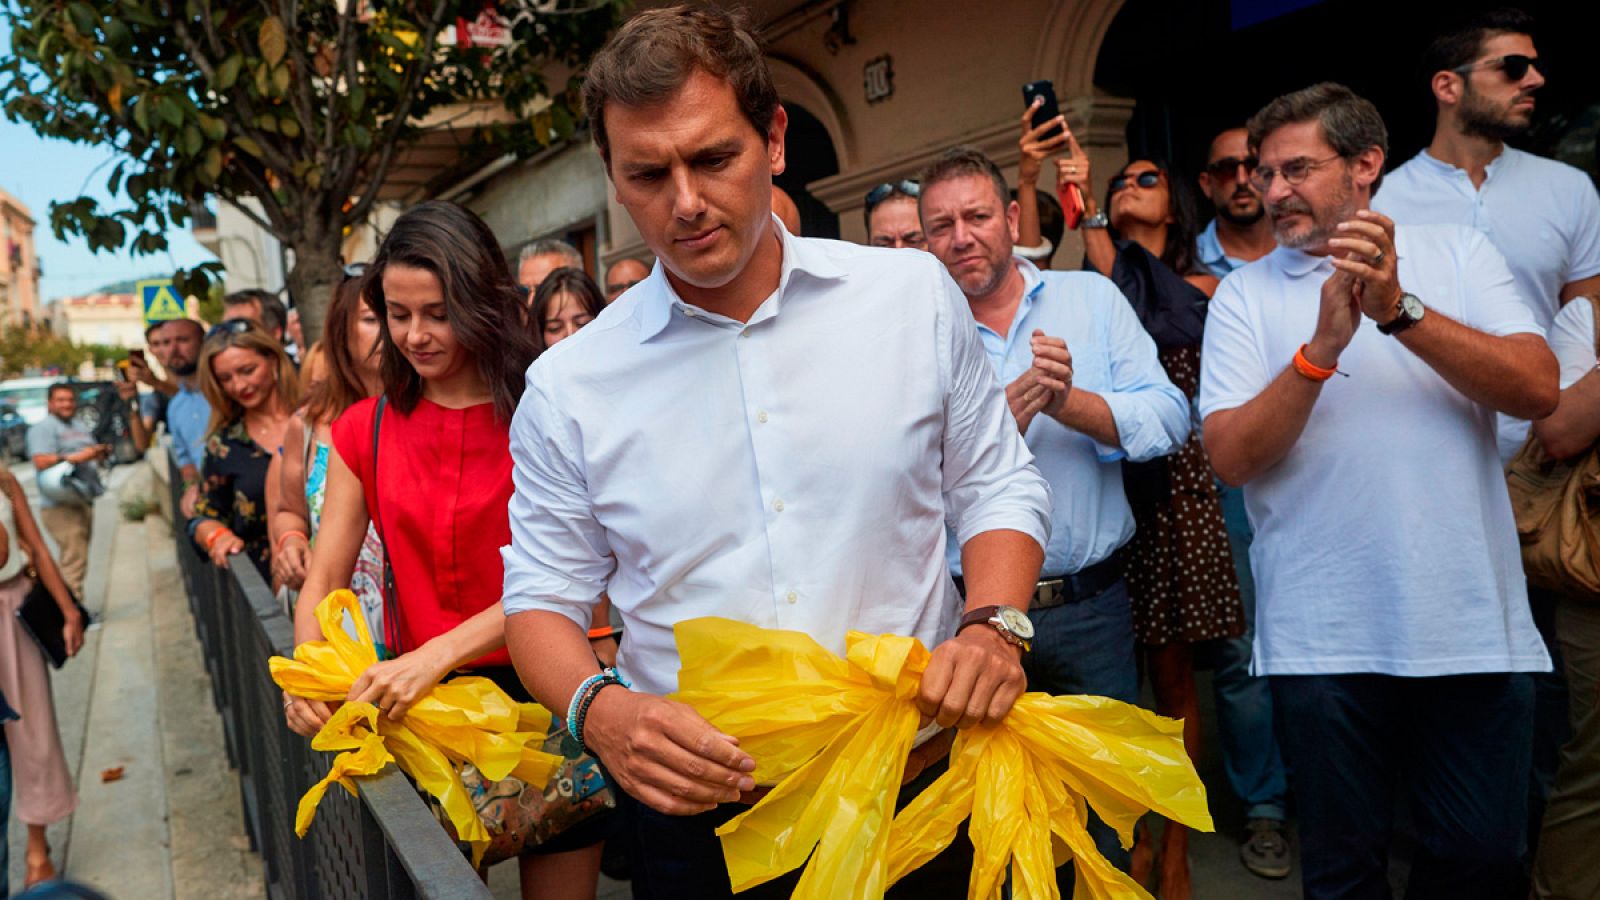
x=467, y=719
x=833, y=735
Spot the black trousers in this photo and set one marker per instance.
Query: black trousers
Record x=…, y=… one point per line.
x=1457, y=747
x=680, y=857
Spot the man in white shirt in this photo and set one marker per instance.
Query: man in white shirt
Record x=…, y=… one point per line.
x=1542, y=215
x=769, y=429
x=1392, y=619
x=1084, y=384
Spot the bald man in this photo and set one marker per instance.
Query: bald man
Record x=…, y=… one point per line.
x=624, y=274
x=783, y=207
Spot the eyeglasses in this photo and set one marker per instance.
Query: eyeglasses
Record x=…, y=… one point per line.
x=1295, y=171
x=354, y=270
x=1514, y=65
x=229, y=327
x=1146, y=179
x=881, y=192
x=621, y=286
x=1227, y=168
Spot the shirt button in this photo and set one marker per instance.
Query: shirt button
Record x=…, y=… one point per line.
x=745, y=333
x=792, y=597
x=689, y=312
x=777, y=505
x=762, y=417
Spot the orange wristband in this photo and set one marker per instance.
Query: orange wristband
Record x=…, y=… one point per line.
x=596, y=634
x=1310, y=369
x=289, y=534
x=215, y=536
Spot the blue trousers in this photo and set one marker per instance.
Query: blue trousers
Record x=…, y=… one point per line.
x=1457, y=747
x=1250, y=751
x=1087, y=648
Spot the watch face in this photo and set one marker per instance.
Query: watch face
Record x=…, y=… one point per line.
x=1017, y=622
x=1411, y=306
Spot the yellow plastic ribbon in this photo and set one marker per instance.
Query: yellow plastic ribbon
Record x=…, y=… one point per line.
x=834, y=736
x=468, y=719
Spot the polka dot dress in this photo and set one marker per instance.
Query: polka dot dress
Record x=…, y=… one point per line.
x=1180, y=568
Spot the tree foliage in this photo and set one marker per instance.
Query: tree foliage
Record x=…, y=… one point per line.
x=25, y=350
x=304, y=107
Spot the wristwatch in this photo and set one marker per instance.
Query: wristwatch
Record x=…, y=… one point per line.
x=1012, y=623
x=1098, y=220
x=1409, y=312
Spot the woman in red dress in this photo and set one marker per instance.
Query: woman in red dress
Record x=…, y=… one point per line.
x=454, y=349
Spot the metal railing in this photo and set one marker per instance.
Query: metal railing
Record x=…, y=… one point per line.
x=384, y=844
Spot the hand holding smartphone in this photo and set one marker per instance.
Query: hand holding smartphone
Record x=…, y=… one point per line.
x=1071, y=198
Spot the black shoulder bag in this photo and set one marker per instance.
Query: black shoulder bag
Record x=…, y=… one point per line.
x=391, y=600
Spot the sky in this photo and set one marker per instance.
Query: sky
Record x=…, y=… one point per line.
x=37, y=171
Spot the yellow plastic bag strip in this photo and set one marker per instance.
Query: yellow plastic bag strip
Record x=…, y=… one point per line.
x=833, y=735
x=468, y=719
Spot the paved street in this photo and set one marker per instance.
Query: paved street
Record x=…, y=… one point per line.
x=138, y=697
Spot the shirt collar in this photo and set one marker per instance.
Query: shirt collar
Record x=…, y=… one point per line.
x=1207, y=247
x=1297, y=263
x=1439, y=165
x=807, y=257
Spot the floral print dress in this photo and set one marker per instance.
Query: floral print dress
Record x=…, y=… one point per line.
x=233, y=490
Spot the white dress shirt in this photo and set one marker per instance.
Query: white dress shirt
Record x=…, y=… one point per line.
x=1114, y=357
x=1542, y=215
x=1384, y=541
x=793, y=472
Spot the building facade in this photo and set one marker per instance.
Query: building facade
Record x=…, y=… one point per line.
x=19, y=264
x=112, y=320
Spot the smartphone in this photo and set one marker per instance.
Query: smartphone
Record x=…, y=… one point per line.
x=1071, y=198
x=139, y=354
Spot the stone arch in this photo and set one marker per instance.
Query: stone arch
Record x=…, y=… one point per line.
x=1069, y=44
x=800, y=85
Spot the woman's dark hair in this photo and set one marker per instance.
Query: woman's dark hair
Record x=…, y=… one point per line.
x=565, y=280
x=341, y=387
x=1178, y=255
x=482, y=302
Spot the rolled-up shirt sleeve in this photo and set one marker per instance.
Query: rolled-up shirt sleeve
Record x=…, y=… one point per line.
x=1151, y=414
x=989, y=483
x=559, y=559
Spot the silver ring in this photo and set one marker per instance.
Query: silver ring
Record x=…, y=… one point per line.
x=288, y=702
x=1378, y=260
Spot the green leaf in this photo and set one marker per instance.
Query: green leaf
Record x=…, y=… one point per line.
x=192, y=140
x=280, y=81
x=213, y=128
x=118, y=37
x=170, y=111
x=114, y=183
x=228, y=72
x=248, y=146
x=358, y=99
x=263, y=80
x=211, y=166
x=83, y=18
x=272, y=41
x=267, y=122
x=289, y=127
x=141, y=112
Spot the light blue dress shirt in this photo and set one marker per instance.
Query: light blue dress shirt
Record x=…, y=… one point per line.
x=1209, y=250
x=795, y=471
x=1114, y=357
x=188, y=413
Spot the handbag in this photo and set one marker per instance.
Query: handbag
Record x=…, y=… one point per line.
x=1556, y=504
x=518, y=815
x=42, y=618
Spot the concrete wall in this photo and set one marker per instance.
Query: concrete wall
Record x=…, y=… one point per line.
x=543, y=196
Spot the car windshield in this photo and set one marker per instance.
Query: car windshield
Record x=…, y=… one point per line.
x=25, y=399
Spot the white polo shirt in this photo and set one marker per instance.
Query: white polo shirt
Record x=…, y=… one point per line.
x=1542, y=215
x=1384, y=541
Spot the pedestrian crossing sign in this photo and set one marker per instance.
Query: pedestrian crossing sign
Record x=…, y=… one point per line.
x=161, y=303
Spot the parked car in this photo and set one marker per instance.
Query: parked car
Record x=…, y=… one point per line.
x=13, y=435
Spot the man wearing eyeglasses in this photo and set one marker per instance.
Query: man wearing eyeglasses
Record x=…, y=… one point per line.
x=1542, y=215
x=891, y=212
x=1240, y=233
x=1392, y=621
x=624, y=274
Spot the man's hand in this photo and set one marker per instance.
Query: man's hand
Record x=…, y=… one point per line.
x=974, y=677
x=931, y=751
x=290, y=562
x=127, y=390
x=1035, y=147
x=1026, y=396
x=1337, y=320
x=190, y=498
x=1365, y=251
x=1053, y=361
x=664, y=754
x=395, y=685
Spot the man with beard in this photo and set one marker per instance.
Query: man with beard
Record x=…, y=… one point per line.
x=1087, y=391
x=1392, y=622
x=1240, y=233
x=187, y=411
x=1542, y=215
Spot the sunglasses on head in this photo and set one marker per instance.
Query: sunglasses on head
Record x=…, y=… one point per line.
x=1148, y=179
x=354, y=270
x=229, y=327
x=1514, y=65
x=883, y=191
x=1227, y=168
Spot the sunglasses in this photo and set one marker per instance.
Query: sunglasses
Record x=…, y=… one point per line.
x=621, y=286
x=1514, y=65
x=881, y=192
x=354, y=270
x=229, y=327
x=1295, y=171
x=1227, y=168
x=1145, y=180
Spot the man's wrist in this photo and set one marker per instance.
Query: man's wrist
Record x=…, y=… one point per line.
x=1320, y=354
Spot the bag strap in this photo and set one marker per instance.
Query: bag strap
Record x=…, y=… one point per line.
x=391, y=602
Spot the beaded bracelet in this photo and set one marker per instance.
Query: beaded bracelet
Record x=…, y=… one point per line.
x=579, y=709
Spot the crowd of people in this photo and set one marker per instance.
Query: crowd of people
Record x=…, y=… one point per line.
x=1272, y=446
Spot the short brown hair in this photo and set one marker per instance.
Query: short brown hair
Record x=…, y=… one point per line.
x=656, y=51
x=1350, y=123
x=958, y=162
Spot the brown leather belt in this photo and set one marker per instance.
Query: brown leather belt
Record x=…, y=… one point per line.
x=1063, y=589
